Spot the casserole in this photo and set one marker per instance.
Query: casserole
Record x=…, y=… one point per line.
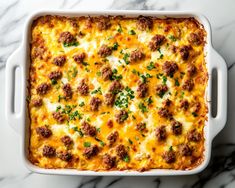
x=214, y=61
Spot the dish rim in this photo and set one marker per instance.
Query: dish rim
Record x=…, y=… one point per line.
x=209, y=133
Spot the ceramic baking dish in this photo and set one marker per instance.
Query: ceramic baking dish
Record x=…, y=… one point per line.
x=20, y=121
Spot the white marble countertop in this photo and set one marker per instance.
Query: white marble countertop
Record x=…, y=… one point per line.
x=220, y=172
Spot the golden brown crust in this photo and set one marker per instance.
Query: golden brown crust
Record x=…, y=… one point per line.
x=139, y=83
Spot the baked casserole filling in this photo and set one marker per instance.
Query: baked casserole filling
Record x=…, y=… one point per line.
x=117, y=93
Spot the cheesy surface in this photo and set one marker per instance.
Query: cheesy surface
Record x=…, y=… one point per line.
x=117, y=93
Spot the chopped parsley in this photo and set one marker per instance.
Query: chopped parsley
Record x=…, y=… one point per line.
x=115, y=76
x=130, y=141
x=58, y=108
x=132, y=32
x=126, y=58
x=164, y=80
x=194, y=114
x=136, y=72
x=81, y=104
x=161, y=55
x=151, y=66
x=119, y=30
x=124, y=117
x=177, y=82
x=98, y=129
x=60, y=97
x=53, y=82
x=123, y=98
x=115, y=46
x=85, y=63
x=126, y=159
x=145, y=77
x=79, y=131
x=142, y=107
x=74, y=115
x=149, y=100
x=159, y=75
x=98, y=90
x=172, y=38
x=72, y=73
x=86, y=144
x=98, y=73
x=74, y=43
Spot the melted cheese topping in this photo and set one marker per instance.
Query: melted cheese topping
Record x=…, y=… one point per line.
x=143, y=148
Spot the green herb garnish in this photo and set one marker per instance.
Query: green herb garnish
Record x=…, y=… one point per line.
x=98, y=90
x=151, y=66
x=115, y=46
x=75, y=43
x=142, y=107
x=132, y=32
x=172, y=38
x=87, y=144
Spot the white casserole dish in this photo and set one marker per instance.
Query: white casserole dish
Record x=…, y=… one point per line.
x=20, y=121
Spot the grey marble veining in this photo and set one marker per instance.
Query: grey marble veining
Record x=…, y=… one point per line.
x=221, y=170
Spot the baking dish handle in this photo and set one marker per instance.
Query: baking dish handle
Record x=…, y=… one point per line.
x=14, y=119
x=218, y=122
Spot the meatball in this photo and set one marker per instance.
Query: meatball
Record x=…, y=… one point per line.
x=110, y=123
x=165, y=113
x=176, y=127
x=191, y=69
x=169, y=156
x=141, y=126
x=59, y=60
x=66, y=37
x=104, y=51
x=67, y=91
x=195, y=38
x=112, y=137
x=194, y=136
x=156, y=42
x=185, y=150
x=78, y=58
x=64, y=155
x=142, y=90
x=106, y=73
x=88, y=129
x=44, y=131
x=103, y=23
x=67, y=141
x=184, y=104
x=136, y=55
x=43, y=88
x=160, y=133
x=144, y=23
x=91, y=151
x=184, y=52
x=121, y=151
x=37, y=102
x=167, y=103
x=115, y=87
x=109, y=99
x=95, y=102
x=83, y=88
x=161, y=90
x=55, y=75
x=188, y=85
x=196, y=107
x=170, y=67
x=109, y=161
x=48, y=151
x=59, y=117
x=121, y=116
